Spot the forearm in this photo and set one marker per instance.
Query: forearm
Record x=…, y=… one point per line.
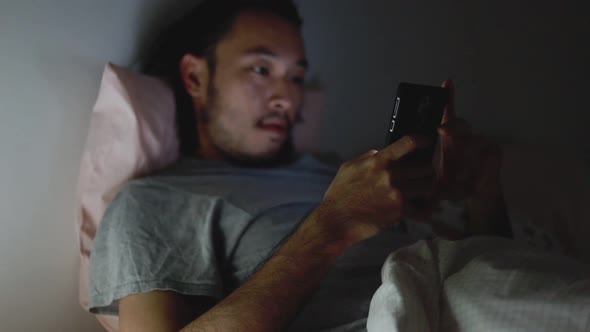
x=271, y=298
x=486, y=209
x=487, y=216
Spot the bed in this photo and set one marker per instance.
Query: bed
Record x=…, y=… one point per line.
x=539, y=282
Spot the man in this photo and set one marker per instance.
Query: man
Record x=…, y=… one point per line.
x=183, y=249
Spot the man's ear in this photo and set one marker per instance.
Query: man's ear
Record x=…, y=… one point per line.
x=195, y=76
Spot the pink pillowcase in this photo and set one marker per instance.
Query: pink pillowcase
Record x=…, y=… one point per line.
x=133, y=133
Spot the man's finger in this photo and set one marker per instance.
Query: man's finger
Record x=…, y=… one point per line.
x=449, y=112
x=366, y=155
x=456, y=127
x=402, y=147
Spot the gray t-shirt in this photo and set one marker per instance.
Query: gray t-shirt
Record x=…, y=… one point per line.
x=203, y=227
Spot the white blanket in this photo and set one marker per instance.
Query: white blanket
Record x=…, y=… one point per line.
x=480, y=284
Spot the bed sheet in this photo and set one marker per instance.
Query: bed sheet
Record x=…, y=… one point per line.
x=480, y=284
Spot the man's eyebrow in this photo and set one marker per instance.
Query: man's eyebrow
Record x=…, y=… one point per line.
x=265, y=51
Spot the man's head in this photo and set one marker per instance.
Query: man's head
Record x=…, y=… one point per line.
x=237, y=70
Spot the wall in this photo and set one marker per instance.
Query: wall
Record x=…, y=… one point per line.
x=51, y=59
x=521, y=72
x=520, y=67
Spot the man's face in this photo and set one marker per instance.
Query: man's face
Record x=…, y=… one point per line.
x=256, y=91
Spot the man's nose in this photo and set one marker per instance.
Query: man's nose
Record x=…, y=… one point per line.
x=282, y=104
x=282, y=99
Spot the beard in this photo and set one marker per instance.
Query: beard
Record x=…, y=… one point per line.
x=230, y=147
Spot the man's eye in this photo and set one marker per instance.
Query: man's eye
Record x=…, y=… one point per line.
x=261, y=70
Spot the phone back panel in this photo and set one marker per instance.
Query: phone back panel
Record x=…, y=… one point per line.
x=418, y=109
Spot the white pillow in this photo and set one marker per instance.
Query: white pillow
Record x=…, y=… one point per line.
x=133, y=133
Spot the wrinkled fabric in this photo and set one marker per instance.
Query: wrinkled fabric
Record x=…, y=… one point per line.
x=480, y=284
x=203, y=227
x=132, y=133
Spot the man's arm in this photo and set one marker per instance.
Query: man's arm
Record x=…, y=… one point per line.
x=487, y=217
x=160, y=311
x=268, y=301
x=469, y=168
x=367, y=196
x=485, y=208
x=271, y=298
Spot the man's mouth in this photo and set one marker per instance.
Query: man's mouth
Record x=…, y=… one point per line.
x=277, y=128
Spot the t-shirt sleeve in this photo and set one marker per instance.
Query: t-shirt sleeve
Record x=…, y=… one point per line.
x=151, y=238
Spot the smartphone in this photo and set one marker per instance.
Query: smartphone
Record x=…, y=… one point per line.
x=418, y=109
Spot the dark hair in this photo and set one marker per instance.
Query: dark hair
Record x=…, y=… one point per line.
x=198, y=33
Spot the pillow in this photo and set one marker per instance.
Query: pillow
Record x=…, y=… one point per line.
x=133, y=133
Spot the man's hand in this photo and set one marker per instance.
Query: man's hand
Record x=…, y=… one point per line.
x=468, y=168
x=367, y=195
x=370, y=193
